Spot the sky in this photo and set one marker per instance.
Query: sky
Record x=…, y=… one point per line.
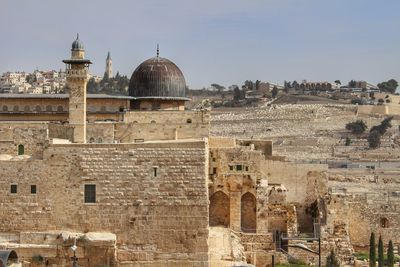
x=212, y=41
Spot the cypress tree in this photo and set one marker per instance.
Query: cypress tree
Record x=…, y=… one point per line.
x=390, y=254
x=372, y=251
x=380, y=252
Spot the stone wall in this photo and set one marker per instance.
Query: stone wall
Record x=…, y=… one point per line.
x=32, y=136
x=305, y=183
x=152, y=196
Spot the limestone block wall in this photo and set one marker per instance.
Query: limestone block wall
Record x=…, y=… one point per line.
x=238, y=191
x=304, y=183
x=32, y=136
x=152, y=196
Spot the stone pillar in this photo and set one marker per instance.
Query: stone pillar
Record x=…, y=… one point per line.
x=235, y=207
x=262, y=206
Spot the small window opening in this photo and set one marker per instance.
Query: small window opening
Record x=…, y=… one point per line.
x=90, y=193
x=21, y=149
x=33, y=189
x=247, y=168
x=153, y=122
x=214, y=170
x=155, y=171
x=189, y=121
x=13, y=189
x=230, y=167
x=239, y=167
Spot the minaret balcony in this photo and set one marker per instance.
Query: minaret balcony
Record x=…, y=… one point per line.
x=73, y=73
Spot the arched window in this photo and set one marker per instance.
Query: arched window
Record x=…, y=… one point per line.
x=248, y=213
x=100, y=140
x=60, y=109
x=38, y=108
x=189, y=121
x=384, y=222
x=153, y=122
x=103, y=109
x=21, y=149
x=27, y=108
x=5, y=108
x=49, y=108
x=91, y=140
x=219, y=209
x=16, y=108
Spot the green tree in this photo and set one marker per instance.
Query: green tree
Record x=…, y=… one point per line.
x=372, y=251
x=380, y=252
x=218, y=87
x=390, y=254
x=332, y=260
x=382, y=128
x=389, y=86
x=352, y=84
x=337, y=82
x=258, y=84
x=274, y=92
x=374, y=139
x=356, y=127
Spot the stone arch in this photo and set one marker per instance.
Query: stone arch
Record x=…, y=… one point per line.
x=219, y=209
x=189, y=121
x=16, y=108
x=27, y=108
x=60, y=109
x=248, y=213
x=5, y=108
x=384, y=222
x=49, y=108
x=38, y=108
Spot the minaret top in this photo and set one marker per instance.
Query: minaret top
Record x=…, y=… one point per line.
x=77, y=44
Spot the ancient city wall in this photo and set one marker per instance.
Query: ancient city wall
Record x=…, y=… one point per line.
x=152, y=196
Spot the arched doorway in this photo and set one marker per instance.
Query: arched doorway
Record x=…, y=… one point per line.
x=8, y=257
x=219, y=209
x=248, y=213
x=21, y=149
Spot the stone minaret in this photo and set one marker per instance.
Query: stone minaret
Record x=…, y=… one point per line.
x=77, y=73
x=109, y=65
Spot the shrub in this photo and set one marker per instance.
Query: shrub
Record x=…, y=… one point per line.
x=374, y=139
x=348, y=141
x=356, y=127
x=332, y=260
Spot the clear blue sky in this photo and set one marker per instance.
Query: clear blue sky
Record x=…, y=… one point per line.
x=212, y=41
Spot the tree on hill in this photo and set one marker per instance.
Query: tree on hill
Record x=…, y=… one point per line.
x=332, y=260
x=258, y=84
x=374, y=139
x=390, y=254
x=274, y=92
x=356, y=127
x=372, y=251
x=337, y=82
x=389, y=86
x=218, y=87
x=382, y=128
x=380, y=252
x=352, y=84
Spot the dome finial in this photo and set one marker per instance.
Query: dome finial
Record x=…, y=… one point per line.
x=158, y=50
x=77, y=36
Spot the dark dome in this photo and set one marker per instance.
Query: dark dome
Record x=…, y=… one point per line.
x=77, y=44
x=157, y=78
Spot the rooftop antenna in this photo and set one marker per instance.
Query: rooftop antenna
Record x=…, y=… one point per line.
x=158, y=50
